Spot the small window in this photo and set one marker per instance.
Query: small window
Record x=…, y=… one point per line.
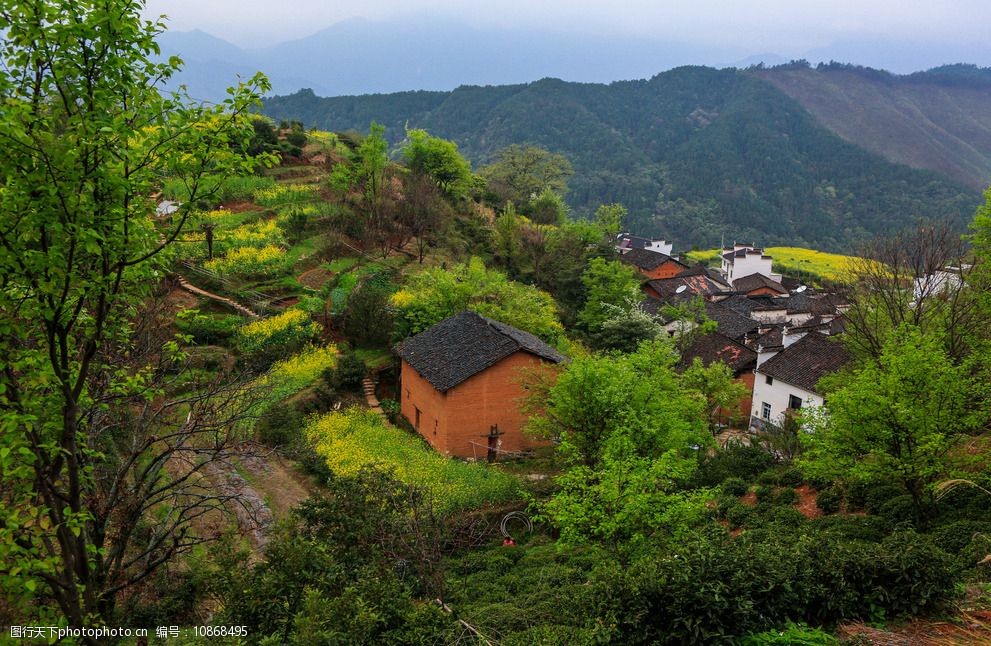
x=407, y=393
x=794, y=403
x=765, y=410
x=417, y=424
x=769, y=380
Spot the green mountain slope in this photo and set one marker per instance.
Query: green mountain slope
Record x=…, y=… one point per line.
x=696, y=154
x=939, y=120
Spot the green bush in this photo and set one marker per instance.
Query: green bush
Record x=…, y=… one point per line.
x=764, y=493
x=878, y=495
x=788, y=517
x=735, y=461
x=791, y=635
x=791, y=477
x=734, y=486
x=349, y=373
x=786, y=497
x=829, y=500
x=769, y=477
x=280, y=425
x=898, y=510
x=956, y=537
x=208, y=330
x=871, y=529
x=739, y=515
x=856, y=492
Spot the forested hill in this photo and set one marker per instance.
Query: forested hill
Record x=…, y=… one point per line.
x=696, y=154
x=939, y=120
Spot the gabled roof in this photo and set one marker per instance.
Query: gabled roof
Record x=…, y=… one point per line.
x=702, y=270
x=628, y=241
x=757, y=281
x=773, y=338
x=667, y=288
x=747, y=305
x=464, y=345
x=730, y=323
x=647, y=259
x=732, y=254
x=717, y=347
x=806, y=361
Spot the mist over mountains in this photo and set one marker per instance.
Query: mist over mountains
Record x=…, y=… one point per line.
x=359, y=56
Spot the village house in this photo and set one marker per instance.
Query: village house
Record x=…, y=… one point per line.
x=759, y=285
x=460, y=384
x=626, y=243
x=788, y=381
x=743, y=260
x=652, y=264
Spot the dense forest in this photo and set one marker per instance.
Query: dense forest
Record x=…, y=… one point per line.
x=696, y=155
x=201, y=423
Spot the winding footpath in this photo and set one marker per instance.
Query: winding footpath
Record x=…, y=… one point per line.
x=193, y=289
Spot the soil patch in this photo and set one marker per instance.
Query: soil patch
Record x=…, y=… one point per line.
x=276, y=479
x=315, y=278
x=807, y=501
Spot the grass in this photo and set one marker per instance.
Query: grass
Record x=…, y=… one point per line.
x=374, y=358
x=357, y=438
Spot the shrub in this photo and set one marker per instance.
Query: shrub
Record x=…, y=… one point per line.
x=734, y=486
x=857, y=492
x=829, y=500
x=791, y=477
x=955, y=537
x=280, y=425
x=786, y=497
x=264, y=340
x=870, y=529
x=349, y=373
x=208, y=330
x=735, y=461
x=899, y=509
x=739, y=515
x=769, y=477
x=879, y=494
x=765, y=493
x=788, y=516
x=791, y=635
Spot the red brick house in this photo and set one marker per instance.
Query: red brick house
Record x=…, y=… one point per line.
x=460, y=384
x=652, y=264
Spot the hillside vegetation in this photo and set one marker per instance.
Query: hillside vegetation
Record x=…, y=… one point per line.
x=694, y=153
x=937, y=120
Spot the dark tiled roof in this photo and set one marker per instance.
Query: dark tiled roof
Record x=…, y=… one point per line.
x=464, y=345
x=667, y=288
x=746, y=305
x=730, y=323
x=806, y=361
x=647, y=259
x=756, y=281
x=717, y=347
x=708, y=272
x=627, y=241
x=730, y=254
x=773, y=338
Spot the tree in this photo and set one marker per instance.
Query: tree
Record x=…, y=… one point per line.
x=719, y=392
x=88, y=137
x=628, y=437
x=436, y=293
x=439, y=160
x=897, y=417
x=423, y=213
x=607, y=282
x=548, y=208
x=610, y=218
x=522, y=172
x=627, y=327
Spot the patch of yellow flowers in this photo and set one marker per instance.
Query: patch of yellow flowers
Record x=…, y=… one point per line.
x=249, y=261
x=357, y=438
x=285, y=193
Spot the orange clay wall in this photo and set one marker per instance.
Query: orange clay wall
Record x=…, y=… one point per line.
x=451, y=422
x=667, y=270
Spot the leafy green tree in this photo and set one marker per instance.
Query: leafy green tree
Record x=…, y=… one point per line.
x=434, y=294
x=629, y=435
x=897, y=418
x=522, y=172
x=548, y=208
x=611, y=218
x=607, y=283
x=440, y=160
x=719, y=392
x=88, y=139
x=626, y=328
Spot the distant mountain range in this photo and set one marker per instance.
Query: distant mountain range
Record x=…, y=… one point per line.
x=362, y=57
x=791, y=155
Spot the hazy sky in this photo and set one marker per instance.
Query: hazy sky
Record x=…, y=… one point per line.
x=782, y=26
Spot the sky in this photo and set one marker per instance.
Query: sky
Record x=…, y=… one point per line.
x=787, y=27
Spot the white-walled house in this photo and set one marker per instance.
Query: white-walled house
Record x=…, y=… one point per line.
x=940, y=282
x=787, y=381
x=745, y=259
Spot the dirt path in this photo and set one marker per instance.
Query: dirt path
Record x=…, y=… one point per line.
x=278, y=481
x=193, y=289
